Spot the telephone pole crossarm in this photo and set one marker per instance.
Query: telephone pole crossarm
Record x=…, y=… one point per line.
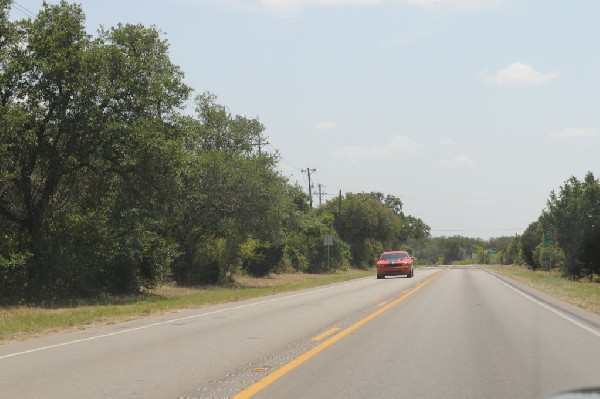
x=259, y=143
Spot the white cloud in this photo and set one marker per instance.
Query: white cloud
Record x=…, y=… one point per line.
x=518, y=73
x=399, y=145
x=461, y=160
x=326, y=126
x=575, y=132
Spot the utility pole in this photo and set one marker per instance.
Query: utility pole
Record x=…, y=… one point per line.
x=321, y=193
x=259, y=144
x=308, y=171
x=339, y=223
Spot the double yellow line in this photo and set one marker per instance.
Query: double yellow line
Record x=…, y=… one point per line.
x=280, y=372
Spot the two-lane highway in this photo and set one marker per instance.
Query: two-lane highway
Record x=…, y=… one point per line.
x=176, y=354
x=455, y=333
x=467, y=335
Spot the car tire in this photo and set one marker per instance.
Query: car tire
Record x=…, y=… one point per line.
x=410, y=274
x=380, y=276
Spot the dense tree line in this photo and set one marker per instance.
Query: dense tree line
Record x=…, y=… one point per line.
x=108, y=186
x=461, y=250
x=371, y=223
x=565, y=236
x=567, y=233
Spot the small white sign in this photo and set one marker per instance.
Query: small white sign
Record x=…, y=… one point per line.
x=328, y=240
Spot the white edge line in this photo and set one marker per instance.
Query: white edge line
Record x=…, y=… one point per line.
x=172, y=321
x=555, y=311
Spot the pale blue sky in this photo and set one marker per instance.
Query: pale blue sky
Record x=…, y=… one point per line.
x=471, y=111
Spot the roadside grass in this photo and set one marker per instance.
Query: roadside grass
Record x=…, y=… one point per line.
x=583, y=293
x=463, y=262
x=19, y=323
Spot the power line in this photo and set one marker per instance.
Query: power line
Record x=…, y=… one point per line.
x=23, y=9
x=286, y=164
x=282, y=158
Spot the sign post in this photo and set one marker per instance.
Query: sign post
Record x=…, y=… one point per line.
x=328, y=241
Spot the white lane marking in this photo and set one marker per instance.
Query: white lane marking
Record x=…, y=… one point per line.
x=176, y=320
x=553, y=310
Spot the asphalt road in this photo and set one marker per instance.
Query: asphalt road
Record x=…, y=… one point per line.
x=456, y=333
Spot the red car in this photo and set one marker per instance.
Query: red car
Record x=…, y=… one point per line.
x=395, y=263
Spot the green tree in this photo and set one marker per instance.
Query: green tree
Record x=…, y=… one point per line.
x=392, y=202
x=84, y=131
x=549, y=256
x=531, y=238
x=573, y=219
x=502, y=245
x=447, y=250
x=414, y=228
x=6, y=28
x=305, y=250
x=371, y=223
x=512, y=254
x=232, y=198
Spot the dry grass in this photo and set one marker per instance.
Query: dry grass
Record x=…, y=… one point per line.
x=583, y=293
x=19, y=323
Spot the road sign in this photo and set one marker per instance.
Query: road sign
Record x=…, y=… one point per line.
x=546, y=238
x=492, y=252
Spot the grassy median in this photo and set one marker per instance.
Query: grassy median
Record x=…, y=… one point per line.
x=583, y=293
x=18, y=323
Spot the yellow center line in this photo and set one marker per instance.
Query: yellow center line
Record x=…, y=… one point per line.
x=283, y=370
x=325, y=334
x=382, y=303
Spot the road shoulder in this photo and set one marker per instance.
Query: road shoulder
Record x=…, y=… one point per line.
x=582, y=315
